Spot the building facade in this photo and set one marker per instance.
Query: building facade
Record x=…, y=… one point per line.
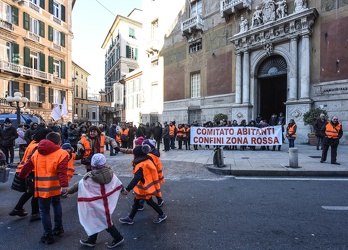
x=80, y=93
x=121, y=58
x=242, y=58
x=35, y=54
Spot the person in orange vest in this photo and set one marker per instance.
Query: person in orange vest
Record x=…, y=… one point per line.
x=72, y=157
x=180, y=135
x=124, y=132
x=18, y=209
x=172, y=134
x=291, y=133
x=187, y=136
x=332, y=133
x=50, y=164
x=93, y=143
x=145, y=184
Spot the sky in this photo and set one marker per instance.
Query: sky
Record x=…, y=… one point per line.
x=91, y=21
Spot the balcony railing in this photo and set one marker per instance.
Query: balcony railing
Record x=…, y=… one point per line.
x=34, y=37
x=35, y=7
x=6, y=25
x=228, y=7
x=56, y=47
x=56, y=20
x=34, y=105
x=28, y=72
x=194, y=23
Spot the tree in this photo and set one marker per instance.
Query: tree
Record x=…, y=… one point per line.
x=219, y=117
x=312, y=115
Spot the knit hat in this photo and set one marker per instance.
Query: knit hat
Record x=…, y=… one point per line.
x=66, y=145
x=98, y=161
x=151, y=143
x=139, y=140
x=141, y=150
x=94, y=128
x=7, y=120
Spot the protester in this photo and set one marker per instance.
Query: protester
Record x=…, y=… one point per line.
x=8, y=135
x=22, y=143
x=145, y=184
x=319, y=123
x=50, y=164
x=332, y=133
x=291, y=133
x=29, y=133
x=100, y=182
x=72, y=157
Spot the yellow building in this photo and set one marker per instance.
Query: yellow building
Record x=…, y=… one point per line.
x=35, y=54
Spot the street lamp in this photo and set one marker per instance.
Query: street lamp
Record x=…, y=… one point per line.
x=18, y=102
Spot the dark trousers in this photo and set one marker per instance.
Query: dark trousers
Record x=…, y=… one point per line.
x=333, y=152
x=34, y=202
x=22, y=148
x=9, y=153
x=111, y=230
x=166, y=144
x=172, y=142
x=319, y=142
x=158, y=143
x=150, y=202
x=291, y=143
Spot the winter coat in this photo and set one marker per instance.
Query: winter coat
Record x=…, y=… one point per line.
x=73, y=135
x=8, y=136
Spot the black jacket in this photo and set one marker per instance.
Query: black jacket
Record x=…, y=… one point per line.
x=8, y=135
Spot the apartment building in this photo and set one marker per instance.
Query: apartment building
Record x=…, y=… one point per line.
x=80, y=96
x=121, y=57
x=35, y=54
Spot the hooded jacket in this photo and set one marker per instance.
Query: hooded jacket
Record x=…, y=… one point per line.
x=29, y=133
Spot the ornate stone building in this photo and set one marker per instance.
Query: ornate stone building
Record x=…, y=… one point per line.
x=244, y=57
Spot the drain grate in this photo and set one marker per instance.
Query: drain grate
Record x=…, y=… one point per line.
x=315, y=156
x=245, y=158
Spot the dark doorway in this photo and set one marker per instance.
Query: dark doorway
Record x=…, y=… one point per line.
x=272, y=95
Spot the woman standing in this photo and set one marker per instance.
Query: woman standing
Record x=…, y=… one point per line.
x=291, y=133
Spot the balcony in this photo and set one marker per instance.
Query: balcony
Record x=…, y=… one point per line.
x=34, y=7
x=28, y=72
x=56, y=20
x=56, y=46
x=153, y=47
x=34, y=104
x=34, y=37
x=228, y=7
x=192, y=26
x=6, y=25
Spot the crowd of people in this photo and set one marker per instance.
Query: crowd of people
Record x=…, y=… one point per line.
x=48, y=154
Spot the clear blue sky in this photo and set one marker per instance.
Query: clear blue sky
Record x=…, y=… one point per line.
x=91, y=20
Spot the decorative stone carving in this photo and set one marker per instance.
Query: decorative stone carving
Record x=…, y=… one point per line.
x=296, y=113
x=268, y=11
x=244, y=24
x=300, y=5
x=282, y=9
x=269, y=48
x=257, y=18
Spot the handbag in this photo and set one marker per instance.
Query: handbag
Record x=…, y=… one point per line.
x=18, y=184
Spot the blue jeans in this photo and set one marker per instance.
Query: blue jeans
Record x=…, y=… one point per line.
x=45, y=205
x=291, y=143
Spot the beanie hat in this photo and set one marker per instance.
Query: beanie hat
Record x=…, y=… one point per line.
x=141, y=150
x=7, y=120
x=139, y=140
x=151, y=143
x=98, y=161
x=66, y=145
x=94, y=128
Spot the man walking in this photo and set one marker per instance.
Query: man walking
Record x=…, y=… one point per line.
x=332, y=133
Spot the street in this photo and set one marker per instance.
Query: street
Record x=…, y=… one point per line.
x=214, y=213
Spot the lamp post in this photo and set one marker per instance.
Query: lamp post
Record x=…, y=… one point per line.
x=18, y=102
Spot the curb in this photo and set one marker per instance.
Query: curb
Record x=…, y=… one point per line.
x=227, y=170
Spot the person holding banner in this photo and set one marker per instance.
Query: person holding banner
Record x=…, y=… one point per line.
x=280, y=123
x=291, y=133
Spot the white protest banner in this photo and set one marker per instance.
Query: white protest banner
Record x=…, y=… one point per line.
x=251, y=136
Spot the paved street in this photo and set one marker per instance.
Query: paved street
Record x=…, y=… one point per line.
x=208, y=211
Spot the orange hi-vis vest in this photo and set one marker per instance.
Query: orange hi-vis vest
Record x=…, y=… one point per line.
x=28, y=152
x=88, y=147
x=151, y=186
x=71, y=167
x=187, y=132
x=331, y=131
x=118, y=139
x=46, y=177
x=291, y=130
x=124, y=131
x=180, y=132
x=159, y=167
x=171, y=130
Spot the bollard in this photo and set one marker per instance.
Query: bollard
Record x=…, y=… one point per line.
x=293, y=157
x=218, y=159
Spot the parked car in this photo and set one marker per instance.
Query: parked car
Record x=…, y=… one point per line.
x=13, y=118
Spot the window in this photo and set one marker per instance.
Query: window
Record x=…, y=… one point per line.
x=56, y=68
x=154, y=29
x=57, y=97
x=194, y=47
x=81, y=94
x=56, y=9
x=37, y=2
x=131, y=32
x=131, y=52
x=34, y=93
x=6, y=12
x=34, y=26
x=195, y=85
x=196, y=8
x=56, y=37
x=34, y=60
x=76, y=91
x=5, y=51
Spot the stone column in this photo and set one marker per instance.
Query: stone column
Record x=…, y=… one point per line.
x=246, y=77
x=305, y=68
x=293, y=70
x=238, y=79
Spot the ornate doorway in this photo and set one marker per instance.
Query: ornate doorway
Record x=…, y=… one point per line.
x=272, y=87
